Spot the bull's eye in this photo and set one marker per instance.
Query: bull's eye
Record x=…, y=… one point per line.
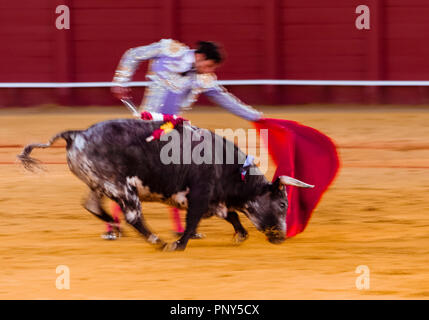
x=282, y=205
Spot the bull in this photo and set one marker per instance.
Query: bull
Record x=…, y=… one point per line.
x=114, y=159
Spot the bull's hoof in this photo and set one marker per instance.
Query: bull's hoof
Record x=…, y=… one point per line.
x=194, y=236
x=170, y=247
x=198, y=236
x=156, y=241
x=173, y=246
x=110, y=235
x=240, y=237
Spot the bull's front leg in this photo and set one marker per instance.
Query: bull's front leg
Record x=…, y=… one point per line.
x=241, y=234
x=197, y=206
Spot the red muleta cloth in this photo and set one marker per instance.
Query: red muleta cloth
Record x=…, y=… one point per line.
x=305, y=154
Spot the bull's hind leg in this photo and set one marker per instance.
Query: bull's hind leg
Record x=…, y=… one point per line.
x=93, y=205
x=131, y=207
x=241, y=234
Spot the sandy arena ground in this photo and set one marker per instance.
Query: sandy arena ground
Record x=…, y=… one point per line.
x=375, y=214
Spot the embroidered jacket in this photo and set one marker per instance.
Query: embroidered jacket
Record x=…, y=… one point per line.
x=175, y=85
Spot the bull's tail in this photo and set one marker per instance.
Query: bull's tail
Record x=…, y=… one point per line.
x=30, y=163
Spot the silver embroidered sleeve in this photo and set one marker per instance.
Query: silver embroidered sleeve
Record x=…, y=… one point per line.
x=131, y=60
x=228, y=101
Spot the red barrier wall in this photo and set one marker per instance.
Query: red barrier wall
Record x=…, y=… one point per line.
x=264, y=39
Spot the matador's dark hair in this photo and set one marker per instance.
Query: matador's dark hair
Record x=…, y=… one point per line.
x=211, y=50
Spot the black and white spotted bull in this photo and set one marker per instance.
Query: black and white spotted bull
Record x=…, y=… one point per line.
x=114, y=159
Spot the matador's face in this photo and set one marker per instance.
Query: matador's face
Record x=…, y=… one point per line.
x=203, y=65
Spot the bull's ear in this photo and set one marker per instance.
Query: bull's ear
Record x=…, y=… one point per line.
x=276, y=185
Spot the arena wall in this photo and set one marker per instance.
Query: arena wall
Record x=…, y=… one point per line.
x=264, y=39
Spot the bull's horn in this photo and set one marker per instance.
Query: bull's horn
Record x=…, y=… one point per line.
x=288, y=181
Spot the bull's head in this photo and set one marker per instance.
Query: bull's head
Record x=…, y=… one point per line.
x=268, y=210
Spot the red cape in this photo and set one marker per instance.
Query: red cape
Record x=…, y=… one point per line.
x=305, y=154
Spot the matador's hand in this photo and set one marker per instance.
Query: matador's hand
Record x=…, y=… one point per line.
x=121, y=92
